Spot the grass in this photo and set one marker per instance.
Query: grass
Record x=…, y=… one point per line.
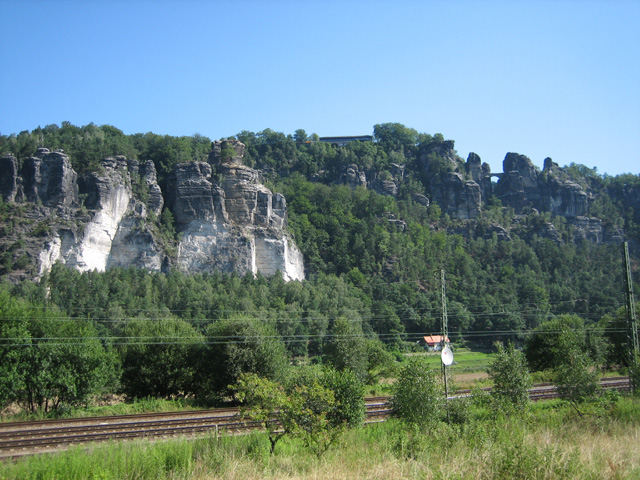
x=144, y=405
x=464, y=361
x=550, y=443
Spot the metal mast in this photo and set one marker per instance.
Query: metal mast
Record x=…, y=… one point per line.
x=445, y=342
x=631, y=319
x=445, y=327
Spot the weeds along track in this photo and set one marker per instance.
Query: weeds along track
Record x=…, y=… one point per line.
x=43, y=436
x=28, y=438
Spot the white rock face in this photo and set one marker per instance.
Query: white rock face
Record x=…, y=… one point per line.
x=236, y=225
x=278, y=254
x=49, y=256
x=113, y=236
x=95, y=247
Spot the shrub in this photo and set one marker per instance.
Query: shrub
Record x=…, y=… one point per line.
x=417, y=395
x=511, y=380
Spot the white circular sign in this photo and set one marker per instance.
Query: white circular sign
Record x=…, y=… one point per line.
x=447, y=355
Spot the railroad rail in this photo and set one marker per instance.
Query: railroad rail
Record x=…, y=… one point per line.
x=44, y=436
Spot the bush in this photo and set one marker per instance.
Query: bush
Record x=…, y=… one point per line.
x=418, y=397
x=511, y=380
x=350, y=408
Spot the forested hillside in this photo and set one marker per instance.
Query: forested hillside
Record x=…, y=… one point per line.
x=376, y=223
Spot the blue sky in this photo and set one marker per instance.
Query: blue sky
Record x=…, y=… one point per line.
x=557, y=79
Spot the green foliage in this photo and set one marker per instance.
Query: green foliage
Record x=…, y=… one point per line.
x=380, y=362
x=347, y=348
x=308, y=415
x=49, y=362
x=311, y=411
x=348, y=391
x=14, y=336
x=236, y=346
x=395, y=134
x=418, y=397
x=576, y=375
x=158, y=358
x=264, y=401
x=545, y=346
x=511, y=380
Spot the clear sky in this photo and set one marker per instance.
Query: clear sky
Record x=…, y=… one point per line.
x=557, y=79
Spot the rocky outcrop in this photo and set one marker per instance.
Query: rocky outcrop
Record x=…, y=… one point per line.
x=480, y=173
x=353, y=177
x=8, y=177
x=49, y=179
x=238, y=225
x=458, y=198
x=226, y=151
x=456, y=194
x=523, y=186
x=116, y=232
x=225, y=219
x=386, y=186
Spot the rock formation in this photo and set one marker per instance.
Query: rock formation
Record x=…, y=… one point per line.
x=523, y=186
x=238, y=225
x=458, y=196
x=225, y=219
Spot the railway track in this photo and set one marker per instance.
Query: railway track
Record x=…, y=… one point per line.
x=27, y=438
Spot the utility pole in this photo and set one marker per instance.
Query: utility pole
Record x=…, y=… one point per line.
x=446, y=355
x=445, y=327
x=632, y=321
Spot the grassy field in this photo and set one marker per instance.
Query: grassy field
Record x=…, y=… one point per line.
x=551, y=443
x=465, y=361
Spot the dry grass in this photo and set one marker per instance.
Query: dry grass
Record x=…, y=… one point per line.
x=552, y=443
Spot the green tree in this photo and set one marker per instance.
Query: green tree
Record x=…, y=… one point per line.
x=14, y=337
x=380, y=362
x=300, y=136
x=544, y=347
x=65, y=363
x=159, y=358
x=264, y=401
x=309, y=411
x=418, y=397
x=576, y=376
x=348, y=390
x=240, y=345
x=347, y=348
x=395, y=134
x=511, y=380
x=308, y=415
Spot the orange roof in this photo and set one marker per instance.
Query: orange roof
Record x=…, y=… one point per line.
x=434, y=339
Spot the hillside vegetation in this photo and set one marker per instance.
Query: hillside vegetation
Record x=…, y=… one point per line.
x=373, y=257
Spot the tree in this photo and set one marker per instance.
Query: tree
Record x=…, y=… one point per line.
x=309, y=411
x=544, y=348
x=348, y=390
x=65, y=363
x=14, y=337
x=307, y=415
x=417, y=395
x=240, y=345
x=159, y=358
x=263, y=401
x=576, y=376
x=395, y=134
x=347, y=350
x=300, y=136
x=380, y=362
x=511, y=380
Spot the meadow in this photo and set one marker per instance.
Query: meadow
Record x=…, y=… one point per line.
x=551, y=442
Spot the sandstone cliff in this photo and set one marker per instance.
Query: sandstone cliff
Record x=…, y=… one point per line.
x=224, y=218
